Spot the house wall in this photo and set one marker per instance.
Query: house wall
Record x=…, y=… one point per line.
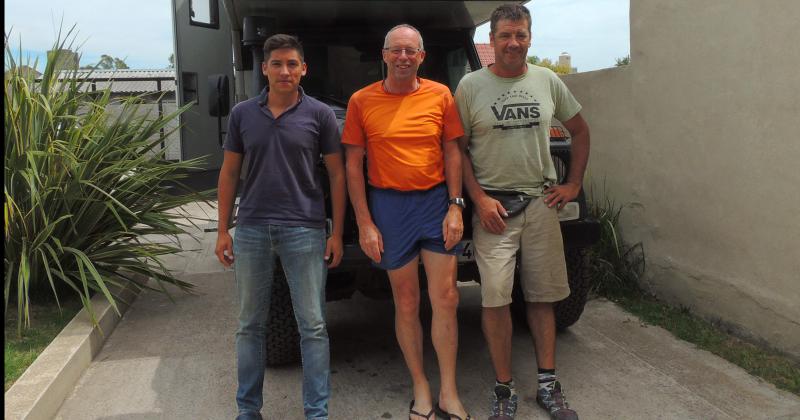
x=168, y=106
x=699, y=133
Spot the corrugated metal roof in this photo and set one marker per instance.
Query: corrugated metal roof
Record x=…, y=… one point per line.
x=127, y=81
x=485, y=54
x=130, y=73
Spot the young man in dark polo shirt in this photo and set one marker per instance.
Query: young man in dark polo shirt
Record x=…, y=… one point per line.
x=281, y=133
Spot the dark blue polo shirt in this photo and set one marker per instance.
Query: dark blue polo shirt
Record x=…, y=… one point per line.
x=282, y=185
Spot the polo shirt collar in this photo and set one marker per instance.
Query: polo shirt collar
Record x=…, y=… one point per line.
x=262, y=97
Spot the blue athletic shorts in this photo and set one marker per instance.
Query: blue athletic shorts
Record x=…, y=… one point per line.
x=409, y=221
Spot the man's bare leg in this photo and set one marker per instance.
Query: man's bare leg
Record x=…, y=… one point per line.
x=542, y=321
x=408, y=329
x=441, y=272
x=497, y=328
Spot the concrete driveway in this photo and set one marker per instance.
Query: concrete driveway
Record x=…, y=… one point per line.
x=175, y=360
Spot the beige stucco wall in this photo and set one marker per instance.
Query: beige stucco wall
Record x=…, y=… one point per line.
x=702, y=132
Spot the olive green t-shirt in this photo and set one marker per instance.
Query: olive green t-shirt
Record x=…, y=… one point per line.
x=507, y=121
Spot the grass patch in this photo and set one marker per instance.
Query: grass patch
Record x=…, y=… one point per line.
x=617, y=268
x=764, y=363
x=47, y=322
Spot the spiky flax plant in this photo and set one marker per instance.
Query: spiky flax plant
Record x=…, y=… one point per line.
x=84, y=188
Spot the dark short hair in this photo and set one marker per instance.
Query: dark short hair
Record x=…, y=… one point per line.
x=281, y=41
x=513, y=12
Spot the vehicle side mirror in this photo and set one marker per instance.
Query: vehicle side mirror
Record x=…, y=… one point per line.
x=219, y=103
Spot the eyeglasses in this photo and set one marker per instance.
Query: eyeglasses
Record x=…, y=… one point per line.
x=410, y=52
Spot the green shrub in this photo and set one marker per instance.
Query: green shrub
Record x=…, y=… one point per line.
x=83, y=187
x=617, y=267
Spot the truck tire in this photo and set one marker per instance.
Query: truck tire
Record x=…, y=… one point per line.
x=283, y=340
x=569, y=310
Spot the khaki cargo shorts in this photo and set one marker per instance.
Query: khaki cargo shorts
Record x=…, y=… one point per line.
x=536, y=233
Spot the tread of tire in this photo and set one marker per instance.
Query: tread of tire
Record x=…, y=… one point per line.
x=282, y=338
x=569, y=310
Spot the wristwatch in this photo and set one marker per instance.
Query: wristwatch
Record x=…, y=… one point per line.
x=458, y=201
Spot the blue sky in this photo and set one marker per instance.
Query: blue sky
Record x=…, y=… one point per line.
x=138, y=31
x=593, y=32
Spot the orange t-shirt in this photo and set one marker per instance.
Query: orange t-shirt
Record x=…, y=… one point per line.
x=404, y=134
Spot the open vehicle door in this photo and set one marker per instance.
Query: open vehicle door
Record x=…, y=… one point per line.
x=204, y=70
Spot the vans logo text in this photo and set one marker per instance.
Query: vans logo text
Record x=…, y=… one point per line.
x=516, y=111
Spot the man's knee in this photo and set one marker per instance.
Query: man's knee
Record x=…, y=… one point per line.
x=495, y=314
x=313, y=329
x=310, y=316
x=252, y=314
x=445, y=299
x=405, y=288
x=539, y=307
x=406, y=301
x=251, y=327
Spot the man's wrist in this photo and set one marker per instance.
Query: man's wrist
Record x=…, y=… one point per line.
x=363, y=224
x=457, y=202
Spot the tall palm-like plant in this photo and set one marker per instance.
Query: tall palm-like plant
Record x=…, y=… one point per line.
x=617, y=267
x=84, y=188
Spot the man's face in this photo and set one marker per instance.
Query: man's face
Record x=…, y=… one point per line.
x=402, y=55
x=283, y=68
x=510, y=40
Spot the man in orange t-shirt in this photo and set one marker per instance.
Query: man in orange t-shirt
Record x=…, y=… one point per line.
x=408, y=127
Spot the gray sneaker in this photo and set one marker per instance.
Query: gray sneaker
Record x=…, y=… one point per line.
x=553, y=400
x=504, y=403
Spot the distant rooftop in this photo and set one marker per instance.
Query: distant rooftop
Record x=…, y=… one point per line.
x=485, y=54
x=25, y=70
x=129, y=80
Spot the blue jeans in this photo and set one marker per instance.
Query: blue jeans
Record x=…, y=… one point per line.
x=301, y=251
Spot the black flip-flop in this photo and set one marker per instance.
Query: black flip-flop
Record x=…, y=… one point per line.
x=447, y=416
x=413, y=412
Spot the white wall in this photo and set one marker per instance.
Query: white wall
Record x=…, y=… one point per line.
x=700, y=131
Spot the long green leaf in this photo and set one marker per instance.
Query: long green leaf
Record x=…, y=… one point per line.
x=84, y=188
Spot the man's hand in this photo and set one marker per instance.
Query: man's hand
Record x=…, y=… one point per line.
x=334, y=249
x=491, y=213
x=371, y=241
x=452, y=227
x=224, y=249
x=560, y=195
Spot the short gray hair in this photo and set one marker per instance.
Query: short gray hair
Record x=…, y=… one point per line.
x=403, y=25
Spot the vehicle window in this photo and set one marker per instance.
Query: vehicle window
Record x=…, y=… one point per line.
x=352, y=73
x=457, y=66
x=204, y=13
x=446, y=64
x=337, y=71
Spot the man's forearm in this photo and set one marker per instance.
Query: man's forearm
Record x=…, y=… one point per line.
x=226, y=194
x=358, y=197
x=338, y=202
x=579, y=157
x=356, y=186
x=470, y=183
x=579, y=152
x=452, y=168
